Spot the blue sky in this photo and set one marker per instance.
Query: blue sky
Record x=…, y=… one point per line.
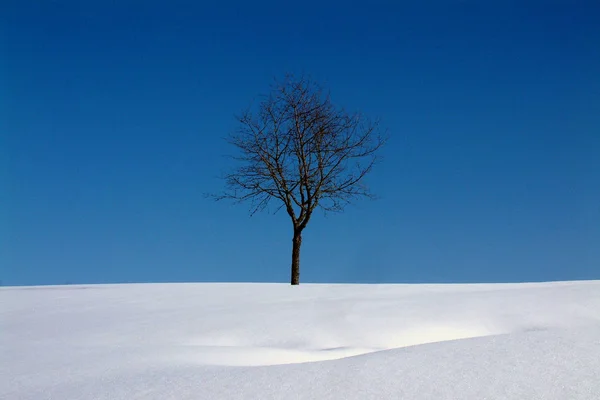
x=112, y=116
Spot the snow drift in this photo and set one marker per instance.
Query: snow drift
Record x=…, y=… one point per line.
x=274, y=341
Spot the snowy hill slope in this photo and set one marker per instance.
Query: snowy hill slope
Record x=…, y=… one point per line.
x=273, y=341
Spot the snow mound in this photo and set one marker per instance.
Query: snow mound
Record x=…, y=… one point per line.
x=189, y=341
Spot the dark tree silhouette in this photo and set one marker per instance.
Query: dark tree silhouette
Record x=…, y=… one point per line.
x=301, y=152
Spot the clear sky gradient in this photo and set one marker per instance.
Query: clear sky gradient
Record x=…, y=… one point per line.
x=112, y=116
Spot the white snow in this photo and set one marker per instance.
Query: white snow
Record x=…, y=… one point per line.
x=274, y=341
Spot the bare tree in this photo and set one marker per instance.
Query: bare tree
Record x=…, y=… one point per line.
x=301, y=152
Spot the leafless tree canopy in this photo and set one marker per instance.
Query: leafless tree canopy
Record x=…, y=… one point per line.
x=302, y=152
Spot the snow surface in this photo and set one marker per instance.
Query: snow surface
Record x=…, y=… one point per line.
x=274, y=341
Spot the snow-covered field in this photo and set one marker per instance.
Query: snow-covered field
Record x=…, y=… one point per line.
x=274, y=341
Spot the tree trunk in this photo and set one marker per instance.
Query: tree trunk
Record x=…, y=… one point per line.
x=297, y=241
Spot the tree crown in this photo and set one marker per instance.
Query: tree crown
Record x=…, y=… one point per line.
x=299, y=149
